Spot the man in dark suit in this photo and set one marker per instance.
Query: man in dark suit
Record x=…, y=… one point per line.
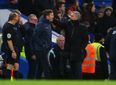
x=76, y=37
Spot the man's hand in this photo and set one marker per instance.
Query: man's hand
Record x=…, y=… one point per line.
x=74, y=15
x=34, y=57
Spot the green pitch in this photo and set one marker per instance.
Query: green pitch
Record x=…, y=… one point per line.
x=55, y=82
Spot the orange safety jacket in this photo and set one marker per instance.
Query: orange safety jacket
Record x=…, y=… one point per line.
x=88, y=65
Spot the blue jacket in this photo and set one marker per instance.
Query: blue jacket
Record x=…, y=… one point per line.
x=42, y=35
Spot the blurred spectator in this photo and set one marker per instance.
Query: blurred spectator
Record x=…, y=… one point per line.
x=74, y=5
x=89, y=17
x=13, y=2
x=29, y=27
x=100, y=13
x=107, y=22
x=99, y=22
x=60, y=7
x=42, y=5
x=61, y=1
x=60, y=16
x=9, y=4
x=42, y=44
x=88, y=1
x=26, y=6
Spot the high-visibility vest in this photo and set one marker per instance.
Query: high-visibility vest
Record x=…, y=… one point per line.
x=88, y=65
x=97, y=46
x=22, y=53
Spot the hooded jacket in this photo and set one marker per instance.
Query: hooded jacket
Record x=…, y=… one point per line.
x=42, y=35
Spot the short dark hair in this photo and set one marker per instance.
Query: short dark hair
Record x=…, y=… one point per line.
x=59, y=4
x=12, y=16
x=47, y=12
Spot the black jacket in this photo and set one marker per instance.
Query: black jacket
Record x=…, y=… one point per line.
x=101, y=70
x=29, y=29
x=76, y=36
x=57, y=62
x=14, y=33
x=104, y=24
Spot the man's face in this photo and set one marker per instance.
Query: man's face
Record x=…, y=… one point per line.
x=50, y=17
x=61, y=42
x=62, y=8
x=93, y=9
x=13, y=1
x=100, y=15
x=17, y=18
x=33, y=20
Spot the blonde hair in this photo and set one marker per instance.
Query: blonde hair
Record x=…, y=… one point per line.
x=12, y=15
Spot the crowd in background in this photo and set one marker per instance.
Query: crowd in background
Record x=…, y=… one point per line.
x=82, y=51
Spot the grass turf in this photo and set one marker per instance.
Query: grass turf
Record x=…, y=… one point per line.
x=55, y=82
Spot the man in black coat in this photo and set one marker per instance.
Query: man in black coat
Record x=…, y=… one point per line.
x=56, y=59
x=29, y=29
x=76, y=37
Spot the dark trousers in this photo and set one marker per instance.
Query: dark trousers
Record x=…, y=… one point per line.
x=7, y=74
x=59, y=69
x=42, y=65
x=76, y=70
x=113, y=71
x=88, y=76
x=31, y=62
x=31, y=73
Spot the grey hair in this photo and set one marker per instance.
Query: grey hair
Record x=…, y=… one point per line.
x=31, y=15
x=60, y=36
